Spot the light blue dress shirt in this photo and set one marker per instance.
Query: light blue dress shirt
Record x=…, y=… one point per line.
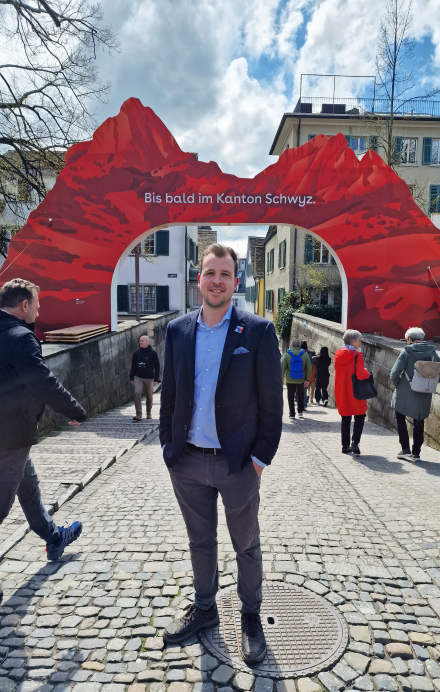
x=210, y=342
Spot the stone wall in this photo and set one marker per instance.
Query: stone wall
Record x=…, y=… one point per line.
x=97, y=372
x=380, y=354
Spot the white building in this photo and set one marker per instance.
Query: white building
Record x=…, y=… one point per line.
x=164, y=276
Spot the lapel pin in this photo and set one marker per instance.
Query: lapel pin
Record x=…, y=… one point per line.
x=239, y=329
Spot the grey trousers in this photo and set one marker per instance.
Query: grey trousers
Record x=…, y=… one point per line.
x=19, y=478
x=197, y=481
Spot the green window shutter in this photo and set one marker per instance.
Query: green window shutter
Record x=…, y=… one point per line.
x=373, y=143
x=162, y=297
x=284, y=252
x=332, y=260
x=268, y=262
x=308, y=249
x=163, y=243
x=348, y=138
x=279, y=255
x=397, y=149
x=122, y=298
x=311, y=137
x=427, y=149
x=434, y=199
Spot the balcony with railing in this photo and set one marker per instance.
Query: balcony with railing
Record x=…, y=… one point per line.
x=358, y=107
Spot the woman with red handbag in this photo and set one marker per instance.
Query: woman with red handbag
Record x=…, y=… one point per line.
x=349, y=362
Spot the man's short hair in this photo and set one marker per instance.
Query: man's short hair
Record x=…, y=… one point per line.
x=144, y=336
x=16, y=291
x=415, y=334
x=294, y=343
x=351, y=335
x=220, y=251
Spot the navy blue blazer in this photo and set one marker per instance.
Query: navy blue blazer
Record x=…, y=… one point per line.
x=248, y=397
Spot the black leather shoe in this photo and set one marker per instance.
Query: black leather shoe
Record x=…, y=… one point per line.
x=355, y=448
x=194, y=620
x=253, y=642
x=346, y=450
x=1, y=594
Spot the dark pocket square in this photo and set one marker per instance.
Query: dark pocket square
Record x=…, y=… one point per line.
x=240, y=350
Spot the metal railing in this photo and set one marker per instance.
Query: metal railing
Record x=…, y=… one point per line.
x=366, y=106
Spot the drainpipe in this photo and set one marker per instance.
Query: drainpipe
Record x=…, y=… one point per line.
x=185, y=273
x=294, y=257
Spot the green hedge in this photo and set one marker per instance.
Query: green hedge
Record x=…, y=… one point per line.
x=326, y=312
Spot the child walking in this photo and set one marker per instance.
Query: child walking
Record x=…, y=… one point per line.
x=322, y=376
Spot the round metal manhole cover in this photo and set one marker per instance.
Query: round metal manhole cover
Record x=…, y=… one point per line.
x=304, y=632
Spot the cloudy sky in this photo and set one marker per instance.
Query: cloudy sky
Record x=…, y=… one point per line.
x=221, y=73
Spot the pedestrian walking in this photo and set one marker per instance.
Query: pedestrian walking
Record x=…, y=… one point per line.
x=408, y=400
x=348, y=362
x=304, y=346
x=220, y=425
x=312, y=384
x=26, y=385
x=322, y=364
x=145, y=371
x=297, y=368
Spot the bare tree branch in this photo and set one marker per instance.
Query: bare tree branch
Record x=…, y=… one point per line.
x=46, y=91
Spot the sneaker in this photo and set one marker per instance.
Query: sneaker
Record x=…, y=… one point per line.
x=324, y=403
x=136, y=419
x=292, y=417
x=355, y=448
x=1, y=594
x=404, y=454
x=319, y=403
x=192, y=621
x=415, y=457
x=149, y=416
x=346, y=450
x=300, y=415
x=67, y=536
x=253, y=642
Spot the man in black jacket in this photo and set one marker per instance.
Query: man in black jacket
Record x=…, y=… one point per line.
x=145, y=370
x=26, y=385
x=220, y=425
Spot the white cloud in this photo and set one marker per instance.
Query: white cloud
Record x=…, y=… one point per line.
x=221, y=74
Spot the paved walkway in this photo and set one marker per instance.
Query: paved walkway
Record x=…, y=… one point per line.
x=363, y=532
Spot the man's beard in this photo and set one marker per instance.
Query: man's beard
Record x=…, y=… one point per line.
x=222, y=303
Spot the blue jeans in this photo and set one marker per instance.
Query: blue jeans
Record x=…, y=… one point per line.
x=19, y=478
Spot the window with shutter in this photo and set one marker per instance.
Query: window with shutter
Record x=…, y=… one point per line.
x=435, y=152
x=123, y=298
x=279, y=255
x=272, y=260
x=348, y=138
x=427, y=149
x=311, y=137
x=268, y=262
x=162, y=243
x=434, y=199
x=162, y=298
x=284, y=252
x=308, y=249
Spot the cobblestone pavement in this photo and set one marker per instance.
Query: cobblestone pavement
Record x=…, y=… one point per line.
x=68, y=461
x=363, y=532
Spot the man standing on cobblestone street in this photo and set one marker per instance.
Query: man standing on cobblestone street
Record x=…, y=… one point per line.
x=26, y=385
x=220, y=425
x=145, y=371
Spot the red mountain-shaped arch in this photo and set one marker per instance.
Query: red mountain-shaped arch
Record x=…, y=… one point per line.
x=73, y=241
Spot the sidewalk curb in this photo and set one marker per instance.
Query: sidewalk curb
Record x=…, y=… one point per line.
x=74, y=489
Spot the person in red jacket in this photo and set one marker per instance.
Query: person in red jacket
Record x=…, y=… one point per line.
x=346, y=404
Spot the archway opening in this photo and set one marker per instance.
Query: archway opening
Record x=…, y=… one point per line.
x=289, y=280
